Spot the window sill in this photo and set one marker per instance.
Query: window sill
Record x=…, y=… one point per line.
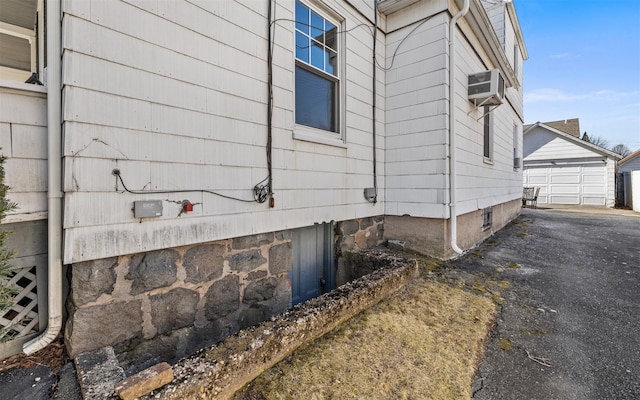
x=17, y=85
x=487, y=161
x=309, y=134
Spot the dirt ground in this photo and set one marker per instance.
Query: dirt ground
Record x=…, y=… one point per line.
x=53, y=356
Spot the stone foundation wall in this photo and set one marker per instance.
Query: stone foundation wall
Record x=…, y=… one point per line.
x=165, y=304
x=355, y=235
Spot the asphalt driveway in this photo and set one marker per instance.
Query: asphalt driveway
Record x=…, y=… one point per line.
x=569, y=327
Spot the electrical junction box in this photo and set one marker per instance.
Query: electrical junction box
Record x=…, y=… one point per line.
x=147, y=208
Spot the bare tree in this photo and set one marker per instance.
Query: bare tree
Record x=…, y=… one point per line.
x=621, y=149
x=597, y=140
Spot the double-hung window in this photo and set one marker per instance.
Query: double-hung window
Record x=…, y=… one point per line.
x=317, y=77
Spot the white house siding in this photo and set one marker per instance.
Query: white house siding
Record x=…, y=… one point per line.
x=23, y=139
x=417, y=162
x=497, y=16
x=634, y=186
x=174, y=95
x=544, y=145
x=503, y=25
x=416, y=116
x=482, y=184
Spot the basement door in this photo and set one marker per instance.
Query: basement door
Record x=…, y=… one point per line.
x=312, y=273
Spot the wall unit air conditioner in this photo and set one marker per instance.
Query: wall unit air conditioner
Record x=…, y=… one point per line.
x=486, y=88
x=517, y=161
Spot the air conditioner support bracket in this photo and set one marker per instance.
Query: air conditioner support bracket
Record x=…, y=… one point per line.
x=477, y=106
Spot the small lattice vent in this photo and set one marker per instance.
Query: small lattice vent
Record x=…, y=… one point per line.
x=22, y=318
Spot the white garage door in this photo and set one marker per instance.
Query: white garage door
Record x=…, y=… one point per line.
x=578, y=184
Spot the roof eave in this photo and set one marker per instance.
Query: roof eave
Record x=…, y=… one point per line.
x=511, y=9
x=629, y=157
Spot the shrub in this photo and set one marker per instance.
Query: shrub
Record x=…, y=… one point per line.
x=7, y=291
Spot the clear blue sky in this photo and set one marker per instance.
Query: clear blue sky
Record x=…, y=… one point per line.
x=584, y=62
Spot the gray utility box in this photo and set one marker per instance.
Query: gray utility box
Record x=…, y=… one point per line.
x=147, y=208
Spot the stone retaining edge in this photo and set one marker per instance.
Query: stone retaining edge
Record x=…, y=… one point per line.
x=221, y=370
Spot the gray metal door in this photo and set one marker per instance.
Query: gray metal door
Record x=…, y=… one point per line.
x=312, y=272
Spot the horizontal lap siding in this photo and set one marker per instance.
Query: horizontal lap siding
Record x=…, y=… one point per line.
x=416, y=119
x=543, y=145
x=481, y=184
x=174, y=95
x=23, y=140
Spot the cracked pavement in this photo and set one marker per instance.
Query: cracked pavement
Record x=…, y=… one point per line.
x=569, y=324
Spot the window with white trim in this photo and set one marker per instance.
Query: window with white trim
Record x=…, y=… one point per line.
x=317, y=76
x=516, y=61
x=22, y=41
x=488, y=134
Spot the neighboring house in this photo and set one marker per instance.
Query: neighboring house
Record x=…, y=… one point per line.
x=568, y=170
x=210, y=162
x=630, y=162
x=628, y=181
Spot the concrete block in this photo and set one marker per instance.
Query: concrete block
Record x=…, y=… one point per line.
x=98, y=371
x=144, y=381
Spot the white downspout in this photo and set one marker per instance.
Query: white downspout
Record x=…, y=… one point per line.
x=54, y=192
x=453, y=224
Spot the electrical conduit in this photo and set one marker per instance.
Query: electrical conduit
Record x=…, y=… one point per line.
x=453, y=222
x=54, y=194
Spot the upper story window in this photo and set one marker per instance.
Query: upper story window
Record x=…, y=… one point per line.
x=516, y=61
x=317, y=80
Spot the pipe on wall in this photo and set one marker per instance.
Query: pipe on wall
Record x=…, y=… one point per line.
x=453, y=221
x=54, y=191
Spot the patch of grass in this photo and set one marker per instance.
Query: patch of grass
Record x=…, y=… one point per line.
x=479, y=287
x=424, y=342
x=533, y=332
x=522, y=234
x=523, y=222
x=504, y=284
x=514, y=265
x=478, y=253
x=505, y=344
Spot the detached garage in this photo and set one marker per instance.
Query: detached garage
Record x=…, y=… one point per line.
x=567, y=169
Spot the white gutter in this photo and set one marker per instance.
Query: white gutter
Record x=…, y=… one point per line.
x=453, y=222
x=54, y=194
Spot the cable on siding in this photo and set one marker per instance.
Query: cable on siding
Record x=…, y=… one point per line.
x=415, y=28
x=374, y=30
x=260, y=193
x=270, y=44
x=373, y=102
